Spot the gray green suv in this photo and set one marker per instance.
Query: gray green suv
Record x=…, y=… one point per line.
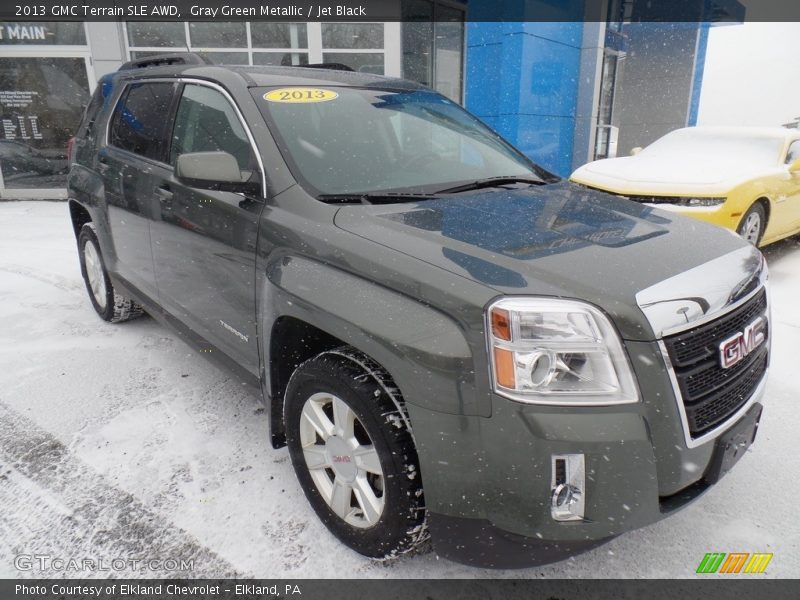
x=455, y=344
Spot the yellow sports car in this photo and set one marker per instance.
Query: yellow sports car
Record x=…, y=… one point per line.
x=745, y=179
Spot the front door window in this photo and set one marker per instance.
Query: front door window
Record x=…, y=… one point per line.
x=206, y=122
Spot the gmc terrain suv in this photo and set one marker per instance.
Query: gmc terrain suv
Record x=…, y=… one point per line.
x=455, y=344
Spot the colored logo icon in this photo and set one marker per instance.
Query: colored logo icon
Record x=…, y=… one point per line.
x=734, y=562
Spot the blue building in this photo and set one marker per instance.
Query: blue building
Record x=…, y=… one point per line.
x=567, y=92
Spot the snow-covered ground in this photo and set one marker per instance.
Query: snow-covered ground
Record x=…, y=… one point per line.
x=119, y=441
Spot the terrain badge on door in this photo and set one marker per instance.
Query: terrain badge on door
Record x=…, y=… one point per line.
x=235, y=332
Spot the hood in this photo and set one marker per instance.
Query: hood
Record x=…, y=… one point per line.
x=553, y=240
x=687, y=174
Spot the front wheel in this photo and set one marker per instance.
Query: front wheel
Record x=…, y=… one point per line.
x=752, y=225
x=351, y=448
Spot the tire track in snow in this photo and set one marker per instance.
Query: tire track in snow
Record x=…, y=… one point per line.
x=62, y=283
x=53, y=503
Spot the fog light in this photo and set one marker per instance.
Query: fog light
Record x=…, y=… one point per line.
x=568, y=485
x=564, y=496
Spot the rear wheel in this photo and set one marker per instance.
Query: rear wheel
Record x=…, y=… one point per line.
x=110, y=305
x=351, y=448
x=753, y=223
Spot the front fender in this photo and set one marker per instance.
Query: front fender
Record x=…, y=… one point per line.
x=424, y=351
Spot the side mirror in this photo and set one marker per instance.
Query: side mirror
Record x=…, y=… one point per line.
x=794, y=166
x=635, y=151
x=213, y=171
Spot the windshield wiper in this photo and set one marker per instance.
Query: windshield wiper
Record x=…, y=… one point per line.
x=492, y=182
x=372, y=198
x=393, y=197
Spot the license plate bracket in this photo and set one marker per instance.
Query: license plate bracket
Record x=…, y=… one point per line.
x=732, y=445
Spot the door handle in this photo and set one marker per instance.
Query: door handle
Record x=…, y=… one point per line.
x=164, y=194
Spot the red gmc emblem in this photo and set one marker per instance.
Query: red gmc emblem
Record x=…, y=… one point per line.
x=738, y=346
x=341, y=459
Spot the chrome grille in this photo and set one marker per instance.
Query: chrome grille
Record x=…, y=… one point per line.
x=710, y=393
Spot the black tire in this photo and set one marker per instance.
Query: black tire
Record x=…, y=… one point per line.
x=754, y=216
x=111, y=306
x=367, y=391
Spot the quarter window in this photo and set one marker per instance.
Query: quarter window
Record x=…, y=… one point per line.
x=138, y=121
x=794, y=152
x=207, y=122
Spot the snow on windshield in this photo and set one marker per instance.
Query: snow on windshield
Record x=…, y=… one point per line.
x=755, y=149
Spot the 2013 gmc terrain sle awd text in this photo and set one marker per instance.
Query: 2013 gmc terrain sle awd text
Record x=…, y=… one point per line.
x=454, y=344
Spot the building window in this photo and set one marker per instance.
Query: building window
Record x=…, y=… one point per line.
x=225, y=58
x=433, y=45
x=352, y=35
x=282, y=59
x=45, y=79
x=418, y=41
x=357, y=45
x=35, y=128
x=360, y=62
x=217, y=35
x=279, y=35
x=156, y=35
x=607, y=133
x=42, y=33
x=279, y=43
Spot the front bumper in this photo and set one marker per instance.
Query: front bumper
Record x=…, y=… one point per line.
x=478, y=543
x=488, y=481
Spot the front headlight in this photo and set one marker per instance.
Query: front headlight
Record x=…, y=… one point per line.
x=703, y=202
x=553, y=351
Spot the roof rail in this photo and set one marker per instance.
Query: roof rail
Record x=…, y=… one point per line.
x=331, y=66
x=160, y=60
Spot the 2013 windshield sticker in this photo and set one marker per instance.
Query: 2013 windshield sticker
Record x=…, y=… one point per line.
x=299, y=95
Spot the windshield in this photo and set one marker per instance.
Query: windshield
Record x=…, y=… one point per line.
x=688, y=144
x=344, y=140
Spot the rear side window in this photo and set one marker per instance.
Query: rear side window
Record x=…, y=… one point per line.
x=207, y=122
x=794, y=152
x=138, y=121
x=86, y=128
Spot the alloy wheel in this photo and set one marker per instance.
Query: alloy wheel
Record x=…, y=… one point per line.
x=342, y=460
x=751, y=229
x=94, y=273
